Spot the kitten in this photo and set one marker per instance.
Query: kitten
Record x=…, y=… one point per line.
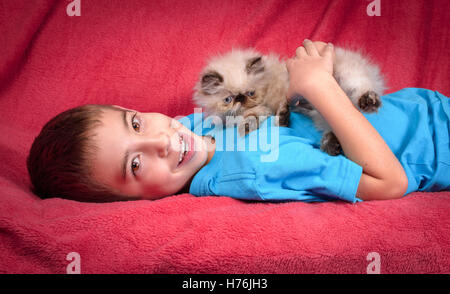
x=244, y=83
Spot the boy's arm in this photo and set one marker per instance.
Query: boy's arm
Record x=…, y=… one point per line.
x=383, y=176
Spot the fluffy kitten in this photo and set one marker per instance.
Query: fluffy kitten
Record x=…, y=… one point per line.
x=244, y=83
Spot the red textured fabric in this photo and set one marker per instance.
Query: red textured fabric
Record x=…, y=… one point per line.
x=147, y=55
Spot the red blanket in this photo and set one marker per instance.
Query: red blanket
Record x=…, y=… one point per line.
x=147, y=55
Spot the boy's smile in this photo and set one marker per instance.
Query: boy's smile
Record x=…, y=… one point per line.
x=146, y=155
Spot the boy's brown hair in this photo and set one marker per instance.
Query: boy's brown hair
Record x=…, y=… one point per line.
x=58, y=162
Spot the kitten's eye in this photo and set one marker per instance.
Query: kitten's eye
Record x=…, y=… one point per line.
x=136, y=125
x=228, y=99
x=250, y=93
x=135, y=165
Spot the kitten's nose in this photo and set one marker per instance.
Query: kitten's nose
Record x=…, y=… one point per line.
x=240, y=98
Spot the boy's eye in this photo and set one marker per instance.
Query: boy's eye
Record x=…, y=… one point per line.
x=135, y=123
x=228, y=99
x=135, y=165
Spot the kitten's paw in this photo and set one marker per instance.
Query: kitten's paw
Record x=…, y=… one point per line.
x=369, y=102
x=248, y=125
x=330, y=144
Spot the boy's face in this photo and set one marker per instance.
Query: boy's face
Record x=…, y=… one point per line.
x=139, y=153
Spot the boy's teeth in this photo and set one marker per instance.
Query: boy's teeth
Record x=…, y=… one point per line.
x=182, y=151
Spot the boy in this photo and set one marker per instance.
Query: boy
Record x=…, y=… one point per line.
x=110, y=153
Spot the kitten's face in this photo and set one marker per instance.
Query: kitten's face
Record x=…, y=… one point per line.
x=232, y=83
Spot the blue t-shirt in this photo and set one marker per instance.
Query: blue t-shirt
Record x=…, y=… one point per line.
x=286, y=163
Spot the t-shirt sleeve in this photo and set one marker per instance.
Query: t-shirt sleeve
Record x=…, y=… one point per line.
x=303, y=172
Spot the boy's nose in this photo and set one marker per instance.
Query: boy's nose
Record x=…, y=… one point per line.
x=159, y=143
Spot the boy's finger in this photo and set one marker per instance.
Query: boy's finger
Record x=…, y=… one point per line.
x=310, y=48
x=288, y=64
x=328, y=50
x=300, y=51
x=320, y=46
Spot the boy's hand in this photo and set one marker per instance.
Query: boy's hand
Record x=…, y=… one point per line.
x=309, y=67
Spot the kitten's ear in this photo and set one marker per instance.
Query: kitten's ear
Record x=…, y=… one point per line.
x=210, y=81
x=254, y=65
